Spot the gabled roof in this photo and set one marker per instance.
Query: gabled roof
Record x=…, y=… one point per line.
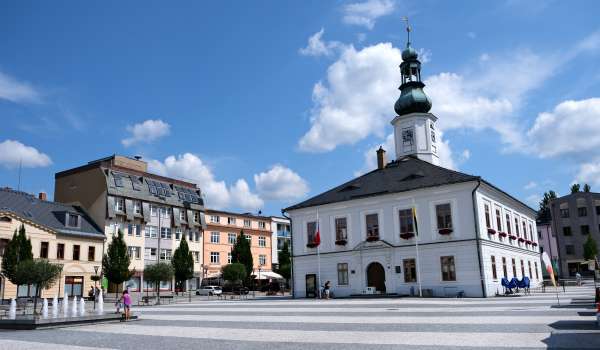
x=406, y=174
x=51, y=215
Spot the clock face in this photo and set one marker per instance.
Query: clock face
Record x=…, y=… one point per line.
x=432, y=136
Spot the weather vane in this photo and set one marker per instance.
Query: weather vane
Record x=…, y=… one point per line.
x=405, y=19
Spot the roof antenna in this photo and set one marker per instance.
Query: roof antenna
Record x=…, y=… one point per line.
x=408, y=30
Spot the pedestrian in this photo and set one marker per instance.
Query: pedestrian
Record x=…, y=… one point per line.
x=578, y=277
x=126, y=304
x=91, y=293
x=326, y=288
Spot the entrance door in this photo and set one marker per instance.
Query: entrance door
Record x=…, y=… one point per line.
x=376, y=276
x=311, y=286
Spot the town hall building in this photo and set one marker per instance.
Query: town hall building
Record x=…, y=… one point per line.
x=411, y=224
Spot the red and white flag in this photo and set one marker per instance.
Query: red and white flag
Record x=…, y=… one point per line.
x=317, y=239
x=548, y=264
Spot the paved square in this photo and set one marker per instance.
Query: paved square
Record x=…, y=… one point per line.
x=497, y=323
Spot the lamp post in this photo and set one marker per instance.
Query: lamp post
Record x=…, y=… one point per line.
x=95, y=284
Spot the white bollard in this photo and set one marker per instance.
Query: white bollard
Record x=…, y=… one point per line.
x=65, y=305
x=12, y=312
x=100, y=306
x=45, y=308
x=82, y=306
x=55, y=307
x=74, y=307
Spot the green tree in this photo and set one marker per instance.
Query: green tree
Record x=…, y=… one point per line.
x=156, y=273
x=587, y=188
x=590, y=249
x=575, y=188
x=234, y=273
x=115, y=262
x=544, y=212
x=183, y=264
x=18, y=249
x=40, y=273
x=240, y=253
x=285, y=263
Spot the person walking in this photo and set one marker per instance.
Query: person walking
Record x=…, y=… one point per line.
x=126, y=304
x=326, y=289
x=578, y=277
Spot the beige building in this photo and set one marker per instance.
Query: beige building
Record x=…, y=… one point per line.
x=154, y=212
x=63, y=234
x=222, y=230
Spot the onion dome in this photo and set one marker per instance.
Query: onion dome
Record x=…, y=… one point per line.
x=412, y=97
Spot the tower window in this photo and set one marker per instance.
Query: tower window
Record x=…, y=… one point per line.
x=407, y=139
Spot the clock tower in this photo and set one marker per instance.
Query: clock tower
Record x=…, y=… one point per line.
x=414, y=127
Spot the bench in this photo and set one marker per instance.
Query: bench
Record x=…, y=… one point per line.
x=167, y=297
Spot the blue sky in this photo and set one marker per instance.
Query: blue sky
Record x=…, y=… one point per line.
x=266, y=103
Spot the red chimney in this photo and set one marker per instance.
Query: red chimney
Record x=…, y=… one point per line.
x=42, y=196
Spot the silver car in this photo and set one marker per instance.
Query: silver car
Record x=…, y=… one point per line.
x=210, y=290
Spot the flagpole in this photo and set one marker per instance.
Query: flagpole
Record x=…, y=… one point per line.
x=417, y=247
x=318, y=259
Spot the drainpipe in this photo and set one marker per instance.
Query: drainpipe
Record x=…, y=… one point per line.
x=291, y=255
x=478, y=239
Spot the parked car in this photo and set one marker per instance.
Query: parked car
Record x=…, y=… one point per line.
x=209, y=290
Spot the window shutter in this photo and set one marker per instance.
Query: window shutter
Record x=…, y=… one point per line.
x=111, y=207
x=202, y=221
x=190, y=217
x=176, y=217
x=146, y=211
x=129, y=209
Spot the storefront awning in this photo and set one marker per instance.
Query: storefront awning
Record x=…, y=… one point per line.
x=265, y=275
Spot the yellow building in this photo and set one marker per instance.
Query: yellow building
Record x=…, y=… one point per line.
x=63, y=234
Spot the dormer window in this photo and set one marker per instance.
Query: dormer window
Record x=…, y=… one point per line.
x=120, y=204
x=72, y=220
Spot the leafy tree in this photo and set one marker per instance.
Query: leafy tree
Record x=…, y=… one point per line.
x=115, y=262
x=234, y=273
x=156, y=273
x=587, y=188
x=183, y=263
x=240, y=253
x=590, y=249
x=40, y=273
x=285, y=261
x=575, y=188
x=544, y=212
x=18, y=249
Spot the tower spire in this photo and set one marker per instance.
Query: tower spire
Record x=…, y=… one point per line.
x=408, y=30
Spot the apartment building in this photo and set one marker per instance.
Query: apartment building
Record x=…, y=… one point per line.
x=574, y=217
x=61, y=233
x=154, y=212
x=282, y=233
x=223, y=228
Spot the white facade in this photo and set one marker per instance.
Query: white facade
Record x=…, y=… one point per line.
x=416, y=134
x=280, y=228
x=467, y=249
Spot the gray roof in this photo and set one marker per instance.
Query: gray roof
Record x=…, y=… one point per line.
x=49, y=214
x=406, y=174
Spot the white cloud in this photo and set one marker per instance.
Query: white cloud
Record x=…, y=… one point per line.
x=17, y=91
x=14, y=153
x=472, y=35
x=191, y=168
x=317, y=47
x=356, y=100
x=366, y=13
x=572, y=127
x=280, y=183
x=588, y=173
x=146, y=132
x=533, y=200
x=530, y=185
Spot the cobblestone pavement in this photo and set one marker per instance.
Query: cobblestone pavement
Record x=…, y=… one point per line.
x=534, y=321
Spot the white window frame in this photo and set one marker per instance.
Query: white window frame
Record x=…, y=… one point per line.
x=216, y=240
x=262, y=241
x=215, y=258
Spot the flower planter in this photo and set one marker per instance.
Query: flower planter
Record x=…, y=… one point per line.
x=445, y=231
x=407, y=235
x=502, y=234
x=512, y=237
x=534, y=244
x=527, y=242
x=521, y=239
x=341, y=242
x=491, y=231
x=372, y=238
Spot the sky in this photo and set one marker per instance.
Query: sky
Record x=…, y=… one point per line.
x=266, y=103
